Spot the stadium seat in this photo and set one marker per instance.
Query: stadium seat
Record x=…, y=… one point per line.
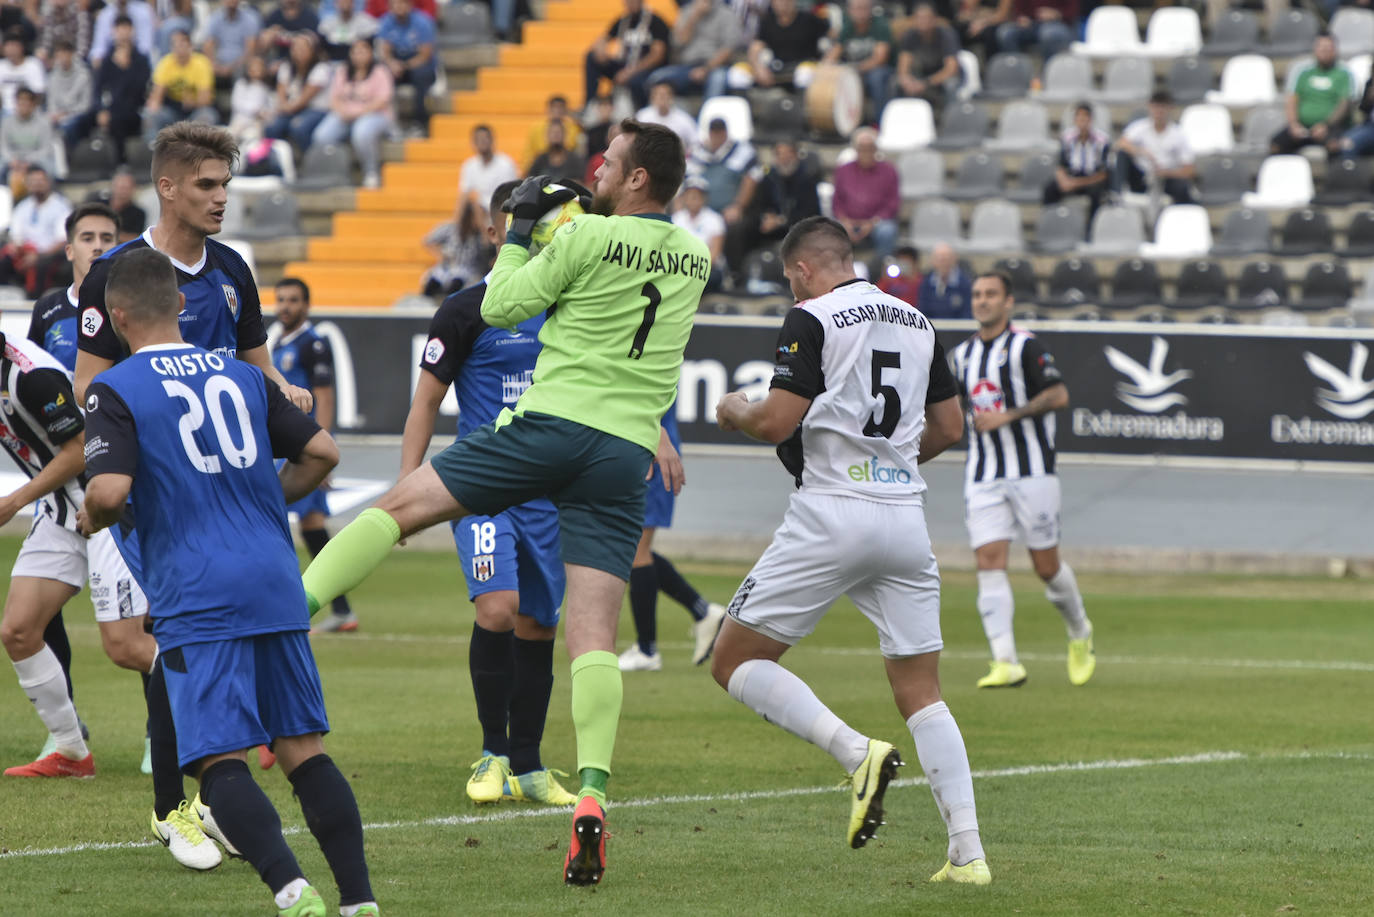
x=776, y=309
x=272, y=215
x=326, y=165
x=1359, y=67
x=763, y=273
x=1022, y=274
x=1008, y=77
x=138, y=156
x=1173, y=31
x=7, y=206
x=1073, y=282
x=1292, y=33
x=1135, y=283
x=936, y=220
x=1201, y=284
x=1208, y=129
x=825, y=196
x=1023, y=126
x=1182, y=231
x=1190, y=79
x=994, y=227
x=778, y=116
x=92, y=159
x=734, y=110
x=235, y=208
x=962, y=126
x=980, y=175
x=1243, y=232
x=1235, y=32
x=1347, y=182
x=1036, y=173
x=1261, y=124
x=1359, y=239
x=1068, y=78
x=1354, y=29
x=973, y=75
x=712, y=306
x=1284, y=182
x=907, y=124
x=1306, y=232
x=462, y=24
x=1246, y=79
x=1326, y=285
x=1262, y=284
x=1059, y=229
x=1127, y=79
x=1221, y=180
x=1116, y=231
x=922, y=174
x=1111, y=31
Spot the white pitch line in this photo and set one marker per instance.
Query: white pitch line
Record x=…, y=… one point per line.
x=505, y=815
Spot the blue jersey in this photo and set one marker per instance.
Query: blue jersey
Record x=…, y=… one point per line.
x=198, y=432
x=53, y=326
x=305, y=360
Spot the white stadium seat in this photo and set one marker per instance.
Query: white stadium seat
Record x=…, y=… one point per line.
x=1354, y=30
x=1182, y=231
x=1284, y=182
x=907, y=124
x=1208, y=129
x=733, y=110
x=1247, y=79
x=1111, y=30
x=1174, y=31
x=973, y=74
x=995, y=227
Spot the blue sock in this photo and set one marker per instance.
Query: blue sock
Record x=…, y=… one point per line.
x=491, y=662
x=331, y=813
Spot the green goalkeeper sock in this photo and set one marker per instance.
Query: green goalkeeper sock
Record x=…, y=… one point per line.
x=350, y=557
x=596, y=696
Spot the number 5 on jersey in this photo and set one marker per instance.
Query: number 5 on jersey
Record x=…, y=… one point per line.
x=892, y=402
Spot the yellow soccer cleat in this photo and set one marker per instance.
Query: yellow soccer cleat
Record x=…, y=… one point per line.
x=1082, y=660
x=488, y=780
x=974, y=872
x=1004, y=675
x=539, y=786
x=869, y=783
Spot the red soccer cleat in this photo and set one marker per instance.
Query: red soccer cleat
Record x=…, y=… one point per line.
x=55, y=765
x=587, y=853
x=265, y=757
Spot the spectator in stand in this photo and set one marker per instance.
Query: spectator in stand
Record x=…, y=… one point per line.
x=181, y=15
x=730, y=168
x=868, y=196
x=788, y=46
x=183, y=88
x=291, y=17
x=946, y=289
x=558, y=161
x=232, y=39
x=1083, y=152
x=378, y=9
x=1043, y=26
x=707, y=36
x=69, y=93
x=595, y=160
x=977, y=21
x=121, y=86
x=38, y=234
x=634, y=46
x=120, y=196
x=144, y=22
x=864, y=42
x=461, y=246
x=1318, y=101
x=302, y=92
x=1156, y=146
x=693, y=215
x=18, y=69
x=253, y=102
x=902, y=277
x=928, y=65
x=406, y=39
x=785, y=196
x=663, y=109
x=556, y=109
x=64, y=20
x=343, y=27
x=1359, y=141
x=485, y=169
x=26, y=138
x=360, y=100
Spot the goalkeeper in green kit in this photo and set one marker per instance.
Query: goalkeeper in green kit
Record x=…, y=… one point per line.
x=621, y=286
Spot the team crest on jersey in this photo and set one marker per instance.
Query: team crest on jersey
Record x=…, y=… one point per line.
x=288, y=361
x=231, y=299
x=985, y=397
x=483, y=567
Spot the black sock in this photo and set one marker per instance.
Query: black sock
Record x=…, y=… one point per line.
x=491, y=661
x=55, y=636
x=529, y=702
x=315, y=540
x=678, y=589
x=644, y=607
x=168, y=792
x=331, y=813
x=245, y=815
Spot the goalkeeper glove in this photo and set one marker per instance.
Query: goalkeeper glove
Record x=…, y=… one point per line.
x=528, y=203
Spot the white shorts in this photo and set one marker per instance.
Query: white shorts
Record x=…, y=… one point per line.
x=114, y=591
x=53, y=552
x=998, y=510
x=878, y=554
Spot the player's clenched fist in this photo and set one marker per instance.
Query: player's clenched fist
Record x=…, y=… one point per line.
x=300, y=397
x=727, y=409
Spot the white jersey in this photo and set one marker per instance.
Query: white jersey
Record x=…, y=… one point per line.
x=870, y=364
x=40, y=414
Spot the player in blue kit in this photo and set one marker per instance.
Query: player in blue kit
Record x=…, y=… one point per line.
x=191, y=436
x=304, y=359
x=511, y=561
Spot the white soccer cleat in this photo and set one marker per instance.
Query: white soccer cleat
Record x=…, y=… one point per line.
x=211, y=828
x=635, y=659
x=181, y=834
x=705, y=631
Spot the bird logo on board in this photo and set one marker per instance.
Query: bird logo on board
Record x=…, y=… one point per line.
x=483, y=566
x=231, y=299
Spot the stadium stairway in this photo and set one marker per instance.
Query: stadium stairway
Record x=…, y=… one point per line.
x=373, y=256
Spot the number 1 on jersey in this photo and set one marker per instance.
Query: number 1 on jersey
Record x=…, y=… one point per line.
x=892, y=402
x=649, y=292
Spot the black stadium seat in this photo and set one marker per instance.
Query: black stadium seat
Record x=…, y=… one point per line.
x=1292, y=33
x=1325, y=286
x=1022, y=274
x=1222, y=180
x=1306, y=232
x=1036, y=172
x=325, y=165
x=1244, y=232
x=1201, y=285
x=1235, y=32
x=93, y=159
x=980, y=176
x=1262, y=284
x=962, y=126
x=1060, y=228
x=1347, y=182
x=462, y=24
x=1074, y=282
x=1135, y=283
x=1008, y=76
x=1359, y=236
x=1189, y=80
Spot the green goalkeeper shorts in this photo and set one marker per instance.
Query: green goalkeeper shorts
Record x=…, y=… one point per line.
x=595, y=479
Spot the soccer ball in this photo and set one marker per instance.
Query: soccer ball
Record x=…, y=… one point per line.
x=548, y=224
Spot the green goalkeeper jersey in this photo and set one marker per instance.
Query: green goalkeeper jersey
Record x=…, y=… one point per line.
x=621, y=293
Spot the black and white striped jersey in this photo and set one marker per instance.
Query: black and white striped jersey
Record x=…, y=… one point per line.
x=40, y=413
x=999, y=375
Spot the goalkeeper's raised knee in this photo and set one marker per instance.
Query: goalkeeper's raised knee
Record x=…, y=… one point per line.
x=350, y=557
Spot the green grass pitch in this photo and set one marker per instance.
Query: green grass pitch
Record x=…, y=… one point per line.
x=1217, y=764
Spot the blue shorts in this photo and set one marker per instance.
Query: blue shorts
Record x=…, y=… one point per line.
x=515, y=550
x=658, y=503
x=314, y=502
x=234, y=694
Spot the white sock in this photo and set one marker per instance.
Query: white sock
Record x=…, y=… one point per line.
x=940, y=748
x=42, y=680
x=348, y=910
x=996, y=606
x=1062, y=591
x=290, y=893
x=785, y=700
